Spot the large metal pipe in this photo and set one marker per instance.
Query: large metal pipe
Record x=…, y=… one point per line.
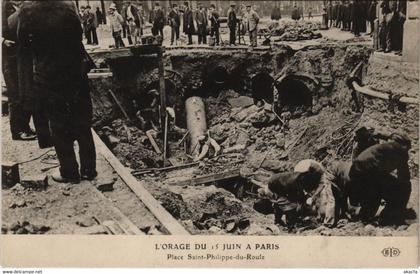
x=354, y=82
x=381, y=95
x=196, y=121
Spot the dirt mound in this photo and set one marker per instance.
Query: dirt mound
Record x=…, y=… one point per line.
x=292, y=31
x=217, y=211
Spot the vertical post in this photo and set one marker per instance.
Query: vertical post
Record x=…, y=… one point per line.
x=162, y=93
x=103, y=11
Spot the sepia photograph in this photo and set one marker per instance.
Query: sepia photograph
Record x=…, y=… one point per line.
x=233, y=118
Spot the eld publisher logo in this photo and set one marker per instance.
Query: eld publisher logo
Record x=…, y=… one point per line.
x=391, y=252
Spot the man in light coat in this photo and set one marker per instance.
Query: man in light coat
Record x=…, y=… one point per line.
x=252, y=19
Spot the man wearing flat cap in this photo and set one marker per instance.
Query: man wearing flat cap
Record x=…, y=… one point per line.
x=251, y=20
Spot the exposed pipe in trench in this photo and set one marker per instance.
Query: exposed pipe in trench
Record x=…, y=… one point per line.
x=355, y=83
x=196, y=122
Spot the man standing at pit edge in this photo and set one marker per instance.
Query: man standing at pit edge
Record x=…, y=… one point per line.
x=52, y=31
x=252, y=19
x=232, y=22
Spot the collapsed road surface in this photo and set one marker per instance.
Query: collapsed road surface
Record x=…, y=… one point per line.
x=208, y=188
x=225, y=143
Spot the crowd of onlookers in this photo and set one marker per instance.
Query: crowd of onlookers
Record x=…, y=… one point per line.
x=355, y=16
x=129, y=22
x=359, y=16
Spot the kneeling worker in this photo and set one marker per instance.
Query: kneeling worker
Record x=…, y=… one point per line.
x=368, y=180
x=290, y=189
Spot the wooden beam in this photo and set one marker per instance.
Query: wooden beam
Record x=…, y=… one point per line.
x=163, y=216
x=123, y=221
x=210, y=178
x=119, y=105
x=153, y=142
x=162, y=92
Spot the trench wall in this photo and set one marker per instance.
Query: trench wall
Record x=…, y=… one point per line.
x=323, y=69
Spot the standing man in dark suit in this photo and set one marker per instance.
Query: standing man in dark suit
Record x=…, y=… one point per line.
x=99, y=16
x=214, y=23
x=232, y=23
x=19, y=118
x=175, y=22
x=201, y=21
x=188, y=22
x=52, y=31
x=371, y=15
x=91, y=25
x=158, y=20
x=358, y=19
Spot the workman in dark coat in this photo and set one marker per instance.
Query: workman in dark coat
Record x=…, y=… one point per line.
x=19, y=118
x=189, y=29
x=394, y=38
x=295, y=13
x=368, y=180
x=334, y=12
x=358, y=17
x=52, y=31
x=232, y=23
x=384, y=26
x=175, y=23
x=214, y=23
x=347, y=16
x=328, y=17
x=158, y=20
x=340, y=14
x=201, y=21
x=371, y=15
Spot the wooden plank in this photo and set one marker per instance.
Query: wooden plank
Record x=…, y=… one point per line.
x=119, y=104
x=125, y=223
x=170, y=168
x=163, y=216
x=96, y=75
x=162, y=93
x=153, y=142
x=210, y=178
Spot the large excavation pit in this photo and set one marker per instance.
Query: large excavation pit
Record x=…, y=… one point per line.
x=217, y=194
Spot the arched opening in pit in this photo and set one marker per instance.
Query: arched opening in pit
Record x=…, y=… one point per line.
x=215, y=79
x=262, y=87
x=239, y=78
x=293, y=93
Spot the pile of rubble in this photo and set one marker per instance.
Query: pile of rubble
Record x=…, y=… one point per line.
x=291, y=31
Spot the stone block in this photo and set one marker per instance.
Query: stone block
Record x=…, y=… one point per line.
x=411, y=41
x=9, y=174
x=35, y=182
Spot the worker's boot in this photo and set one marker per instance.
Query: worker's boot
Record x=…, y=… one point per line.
x=66, y=180
x=88, y=174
